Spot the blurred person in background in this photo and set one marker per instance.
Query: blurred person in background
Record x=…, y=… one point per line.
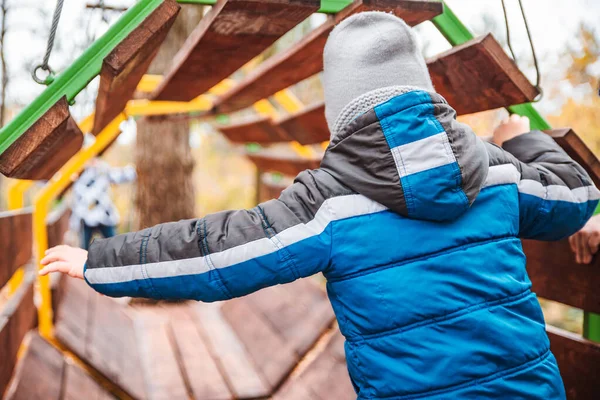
x=93, y=209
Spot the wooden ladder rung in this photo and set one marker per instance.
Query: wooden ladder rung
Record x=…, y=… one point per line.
x=478, y=76
x=230, y=35
x=256, y=130
x=286, y=166
x=307, y=126
x=282, y=71
x=124, y=67
x=15, y=242
x=49, y=143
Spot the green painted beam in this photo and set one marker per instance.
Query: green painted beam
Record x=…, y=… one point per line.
x=70, y=82
x=327, y=6
x=457, y=33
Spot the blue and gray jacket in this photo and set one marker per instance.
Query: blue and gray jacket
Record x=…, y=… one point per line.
x=416, y=224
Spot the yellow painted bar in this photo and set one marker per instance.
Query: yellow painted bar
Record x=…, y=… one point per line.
x=148, y=83
x=59, y=182
x=264, y=108
x=148, y=107
x=292, y=104
x=16, y=192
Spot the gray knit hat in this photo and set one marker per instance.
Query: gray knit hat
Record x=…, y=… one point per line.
x=369, y=58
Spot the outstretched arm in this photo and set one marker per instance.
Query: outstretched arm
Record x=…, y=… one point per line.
x=556, y=195
x=220, y=256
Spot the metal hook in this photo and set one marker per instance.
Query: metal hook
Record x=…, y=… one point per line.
x=46, y=81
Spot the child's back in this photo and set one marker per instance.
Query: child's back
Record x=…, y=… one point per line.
x=414, y=222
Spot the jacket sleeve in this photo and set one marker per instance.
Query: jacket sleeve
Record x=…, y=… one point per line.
x=220, y=256
x=556, y=195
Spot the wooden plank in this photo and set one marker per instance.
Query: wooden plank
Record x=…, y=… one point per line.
x=579, y=363
x=199, y=369
x=159, y=363
x=39, y=374
x=231, y=34
x=231, y=356
x=124, y=67
x=16, y=318
x=272, y=355
x=478, y=75
x=79, y=385
x=287, y=166
x=269, y=190
x=282, y=71
x=578, y=151
x=99, y=330
x=15, y=242
x=256, y=130
x=300, y=312
x=45, y=147
x=555, y=275
x=57, y=224
x=307, y=126
x=324, y=377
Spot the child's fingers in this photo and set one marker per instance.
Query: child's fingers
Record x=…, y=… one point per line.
x=56, y=248
x=51, y=257
x=58, y=266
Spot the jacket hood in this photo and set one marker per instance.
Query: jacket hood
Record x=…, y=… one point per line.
x=411, y=155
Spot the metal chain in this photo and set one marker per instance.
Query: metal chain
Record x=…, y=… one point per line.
x=538, y=78
x=44, y=65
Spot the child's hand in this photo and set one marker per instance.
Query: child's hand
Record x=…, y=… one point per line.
x=510, y=128
x=66, y=259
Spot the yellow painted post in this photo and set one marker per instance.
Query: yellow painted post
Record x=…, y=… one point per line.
x=59, y=182
x=16, y=192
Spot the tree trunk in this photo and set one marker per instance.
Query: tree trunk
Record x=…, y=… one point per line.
x=165, y=190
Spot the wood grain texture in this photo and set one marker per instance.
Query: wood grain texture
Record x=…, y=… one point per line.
x=282, y=71
x=16, y=318
x=231, y=34
x=579, y=363
x=15, y=242
x=307, y=126
x=324, y=377
x=555, y=275
x=230, y=354
x=199, y=369
x=50, y=142
x=299, y=312
x=124, y=67
x=287, y=166
x=161, y=369
x=273, y=356
x=78, y=385
x=478, y=75
x=39, y=374
x=260, y=130
x=99, y=330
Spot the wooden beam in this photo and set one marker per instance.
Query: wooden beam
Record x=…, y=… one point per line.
x=16, y=318
x=579, y=363
x=555, y=275
x=578, y=151
x=256, y=130
x=307, y=126
x=305, y=58
x=50, y=142
x=15, y=242
x=124, y=67
x=478, y=75
x=269, y=190
x=231, y=34
x=287, y=166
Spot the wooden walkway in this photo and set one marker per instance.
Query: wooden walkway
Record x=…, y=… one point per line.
x=240, y=349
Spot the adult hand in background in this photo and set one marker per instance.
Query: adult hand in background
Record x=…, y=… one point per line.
x=511, y=127
x=585, y=243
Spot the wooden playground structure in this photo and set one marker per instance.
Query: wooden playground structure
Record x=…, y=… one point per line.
x=68, y=342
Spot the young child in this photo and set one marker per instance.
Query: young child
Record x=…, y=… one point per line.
x=413, y=220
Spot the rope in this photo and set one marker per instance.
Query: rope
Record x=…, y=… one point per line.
x=538, y=78
x=44, y=65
